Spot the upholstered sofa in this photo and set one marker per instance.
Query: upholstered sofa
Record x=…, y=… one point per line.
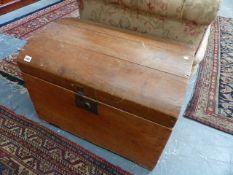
x=181, y=20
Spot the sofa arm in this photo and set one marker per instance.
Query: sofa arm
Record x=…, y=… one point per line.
x=198, y=11
x=201, y=11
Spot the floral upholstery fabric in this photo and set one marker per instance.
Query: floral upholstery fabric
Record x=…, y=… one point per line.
x=201, y=11
x=198, y=11
x=167, y=8
x=114, y=15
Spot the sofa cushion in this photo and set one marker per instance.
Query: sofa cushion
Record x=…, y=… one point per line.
x=199, y=11
x=167, y=8
x=146, y=23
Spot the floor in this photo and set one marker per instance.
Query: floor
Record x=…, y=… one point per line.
x=4, y=19
x=193, y=148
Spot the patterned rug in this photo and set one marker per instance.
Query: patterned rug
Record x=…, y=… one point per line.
x=29, y=148
x=24, y=28
x=212, y=101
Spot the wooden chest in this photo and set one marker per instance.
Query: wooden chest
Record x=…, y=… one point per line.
x=119, y=90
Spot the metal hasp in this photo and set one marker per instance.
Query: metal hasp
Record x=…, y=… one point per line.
x=85, y=103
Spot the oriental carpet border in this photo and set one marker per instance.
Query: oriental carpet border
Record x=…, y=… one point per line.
x=29, y=148
x=212, y=101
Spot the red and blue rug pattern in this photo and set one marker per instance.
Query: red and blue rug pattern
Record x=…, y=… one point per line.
x=29, y=148
x=212, y=101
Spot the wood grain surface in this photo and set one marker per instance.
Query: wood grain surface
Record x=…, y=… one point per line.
x=133, y=137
